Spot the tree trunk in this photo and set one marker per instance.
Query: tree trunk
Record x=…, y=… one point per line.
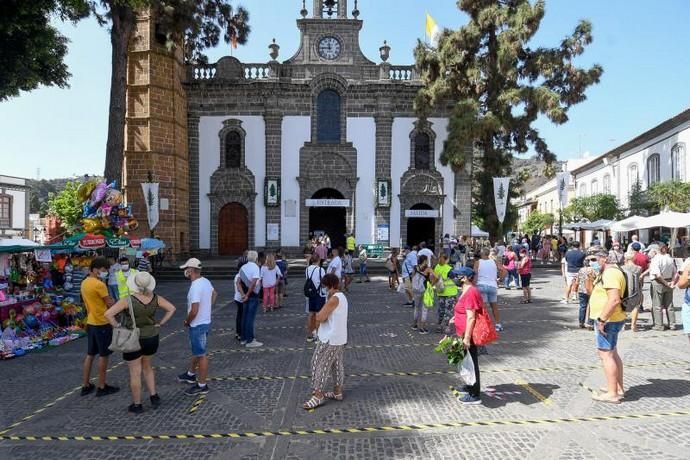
x=120, y=35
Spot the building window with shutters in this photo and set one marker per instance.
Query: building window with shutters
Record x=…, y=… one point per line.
x=607, y=184
x=232, y=138
x=328, y=117
x=422, y=151
x=583, y=189
x=594, y=187
x=678, y=162
x=653, y=169
x=633, y=176
x=5, y=211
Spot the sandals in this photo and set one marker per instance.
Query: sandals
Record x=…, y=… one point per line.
x=313, y=403
x=334, y=396
x=606, y=390
x=602, y=398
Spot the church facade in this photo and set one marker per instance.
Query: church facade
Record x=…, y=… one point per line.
x=326, y=141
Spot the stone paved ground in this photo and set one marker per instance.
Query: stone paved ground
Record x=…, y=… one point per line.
x=535, y=403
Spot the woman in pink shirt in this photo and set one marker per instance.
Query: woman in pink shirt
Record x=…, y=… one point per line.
x=511, y=268
x=525, y=271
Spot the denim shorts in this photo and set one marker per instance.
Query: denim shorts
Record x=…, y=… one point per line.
x=609, y=339
x=685, y=315
x=198, y=336
x=489, y=293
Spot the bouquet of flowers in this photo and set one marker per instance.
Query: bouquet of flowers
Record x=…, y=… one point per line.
x=453, y=348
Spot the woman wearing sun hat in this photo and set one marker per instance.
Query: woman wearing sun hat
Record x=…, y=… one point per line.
x=145, y=304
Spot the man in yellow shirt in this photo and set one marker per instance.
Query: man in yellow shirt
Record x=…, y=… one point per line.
x=350, y=242
x=606, y=309
x=94, y=293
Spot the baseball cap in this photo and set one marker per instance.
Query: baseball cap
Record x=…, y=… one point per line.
x=600, y=253
x=467, y=272
x=192, y=263
x=636, y=246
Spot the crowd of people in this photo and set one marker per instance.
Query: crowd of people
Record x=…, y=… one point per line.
x=446, y=290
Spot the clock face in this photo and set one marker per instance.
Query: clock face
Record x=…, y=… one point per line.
x=329, y=48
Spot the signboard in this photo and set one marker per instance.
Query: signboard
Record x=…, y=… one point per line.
x=501, y=196
x=273, y=232
x=43, y=255
x=327, y=203
x=383, y=193
x=272, y=192
x=562, y=183
x=421, y=213
x=382, y=232
x=92, y=242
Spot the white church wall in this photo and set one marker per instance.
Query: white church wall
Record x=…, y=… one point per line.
x=209, y=160
x=400, y=161
x=296, y=130
x=362, y=133
x=440, y=127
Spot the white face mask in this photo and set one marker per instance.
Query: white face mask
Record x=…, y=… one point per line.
x=125, y=267
x=103, y=275
x=187, y=273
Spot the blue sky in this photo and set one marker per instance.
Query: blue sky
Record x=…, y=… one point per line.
x=641, y=44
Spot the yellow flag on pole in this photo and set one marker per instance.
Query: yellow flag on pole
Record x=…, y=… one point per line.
x=432, y=30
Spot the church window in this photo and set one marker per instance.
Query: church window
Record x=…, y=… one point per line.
x=233, y=150
x=678, y=162
x=653, y=169
x=422, y=151
x=328, y=117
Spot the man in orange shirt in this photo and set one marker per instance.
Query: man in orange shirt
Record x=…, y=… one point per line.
x=94, y=293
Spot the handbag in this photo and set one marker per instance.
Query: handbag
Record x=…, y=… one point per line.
x=484, y=331
x=126, y=340
x=428, y=297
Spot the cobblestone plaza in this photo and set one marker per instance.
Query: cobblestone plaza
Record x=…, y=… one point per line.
x=398, y=403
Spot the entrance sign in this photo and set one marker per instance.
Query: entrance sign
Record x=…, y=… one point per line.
x=501, y=196
x=382, y=232
x=327, y=203
x=273, y=232
x=421, y=213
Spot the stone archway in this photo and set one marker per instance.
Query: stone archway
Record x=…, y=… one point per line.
x=331, y=220
x=421, y=228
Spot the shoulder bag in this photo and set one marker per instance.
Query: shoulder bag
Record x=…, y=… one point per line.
x=484, y=331
x=126, y=340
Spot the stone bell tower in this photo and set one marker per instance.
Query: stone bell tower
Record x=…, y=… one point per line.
x=156, y=133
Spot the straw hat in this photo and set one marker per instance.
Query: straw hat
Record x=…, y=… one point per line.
x=141, y=281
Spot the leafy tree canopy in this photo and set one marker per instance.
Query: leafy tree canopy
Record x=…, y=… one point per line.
x=496, y=86
x=66, y=205
x=537, y=221
x=32, y=51
x=672, y=194
x=591, y=208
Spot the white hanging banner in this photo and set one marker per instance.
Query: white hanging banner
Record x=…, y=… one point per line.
x=562, y=183
x=152, y=202
x=501, y=194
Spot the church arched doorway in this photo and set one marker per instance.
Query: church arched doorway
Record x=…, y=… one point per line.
x=420, y=227
x=233, y=230
x=326, y=218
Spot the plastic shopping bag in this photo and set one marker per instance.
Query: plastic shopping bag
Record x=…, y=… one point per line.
x=401, y=288
x=466, y=369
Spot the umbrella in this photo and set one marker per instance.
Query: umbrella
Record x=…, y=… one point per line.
x=18, y=242
x=669, y=219
x=476, y=231
x=625, y=225
x=601, y=224
x=148, y=244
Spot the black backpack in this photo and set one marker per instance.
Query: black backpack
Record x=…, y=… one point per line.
x=631, y=297
x=310, y=289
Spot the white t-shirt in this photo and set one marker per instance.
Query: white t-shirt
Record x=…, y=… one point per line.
x=269, y=277
x=201, y=292
x=487, y=272
x=425, y=252
x=333, y=331
x=249, y=272
x=238, y=294
x=336, y=264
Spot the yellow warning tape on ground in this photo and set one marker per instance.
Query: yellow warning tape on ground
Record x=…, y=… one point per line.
x=534, y=392
x=306, y=377
x=348, y=430
x=197, y=402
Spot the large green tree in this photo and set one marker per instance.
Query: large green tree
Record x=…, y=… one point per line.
x=197, y=25
x=537, y=221
x=32, y=50
x=591, y=208
x=66, y=206
x=672, y=194
x=496, y=86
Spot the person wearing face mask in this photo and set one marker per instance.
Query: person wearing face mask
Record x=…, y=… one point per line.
x=584, y=284
x=99, y=332
x=122, y=275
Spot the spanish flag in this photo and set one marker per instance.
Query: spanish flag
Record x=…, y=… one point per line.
x=432, y=30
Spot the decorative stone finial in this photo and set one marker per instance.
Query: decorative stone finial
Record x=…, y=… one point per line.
x=274, y=47
x=304, y=11
x=385, y=51
x=355, y=12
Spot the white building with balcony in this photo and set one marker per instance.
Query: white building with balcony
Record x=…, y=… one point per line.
x=14, y=207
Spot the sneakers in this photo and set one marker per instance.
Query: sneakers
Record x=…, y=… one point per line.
x=499, y=327
x=414, y=327
x=107, y=390
x=469, y=400
x=186, y=378
x=564, y=301
x=311, y=339
x=155, y=401
x=88, y=390
x=482, y=350
x=424, y=331
x=195, y=390
x=135, y=408
x=243, y=342
x=254, y=344
x=408, y=304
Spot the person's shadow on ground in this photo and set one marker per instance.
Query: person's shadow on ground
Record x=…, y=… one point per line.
x=505, y=393
x=659, y=388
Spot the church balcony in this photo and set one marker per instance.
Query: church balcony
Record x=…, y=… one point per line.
x=402, y=73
